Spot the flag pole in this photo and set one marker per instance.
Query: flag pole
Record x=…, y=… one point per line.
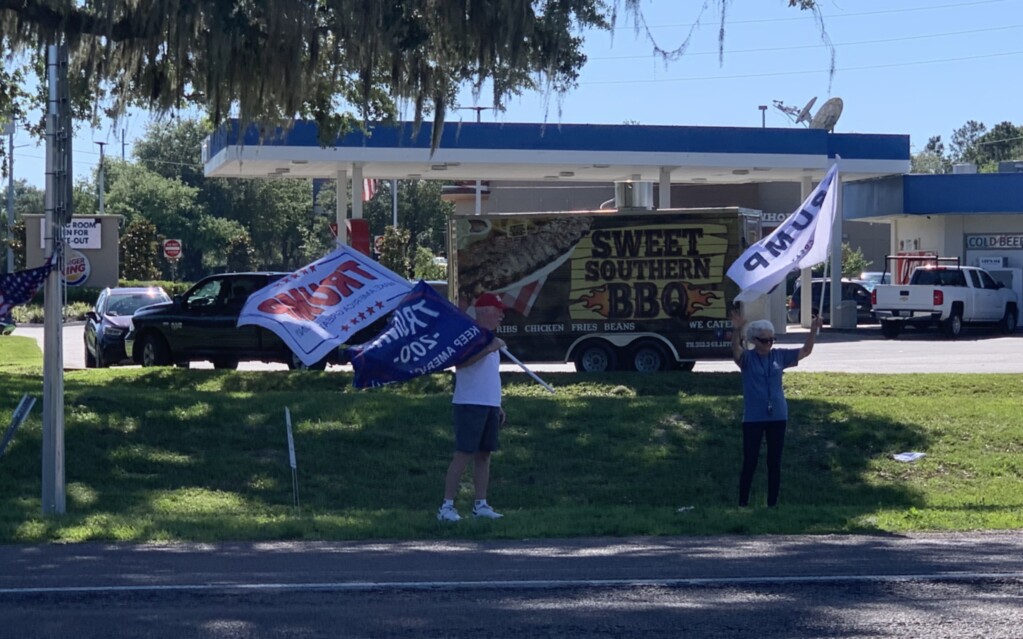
x=824, y=288
x=836, y=246
x=529, y=372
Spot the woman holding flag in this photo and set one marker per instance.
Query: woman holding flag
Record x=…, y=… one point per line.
x=765, y=411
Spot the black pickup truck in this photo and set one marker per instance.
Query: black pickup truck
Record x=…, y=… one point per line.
x=202, y=325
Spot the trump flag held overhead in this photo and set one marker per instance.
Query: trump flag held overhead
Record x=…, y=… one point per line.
x=801, y=241
x=317, y=308
x=425, y=334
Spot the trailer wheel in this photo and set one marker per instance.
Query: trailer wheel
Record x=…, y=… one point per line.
x=594, y=356
x=891, y=329
x=649, y=356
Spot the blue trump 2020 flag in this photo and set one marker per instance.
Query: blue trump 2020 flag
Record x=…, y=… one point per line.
x=425, y=334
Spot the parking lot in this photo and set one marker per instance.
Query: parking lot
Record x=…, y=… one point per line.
x=858, y=350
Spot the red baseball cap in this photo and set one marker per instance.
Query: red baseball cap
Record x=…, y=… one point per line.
x=489, y=299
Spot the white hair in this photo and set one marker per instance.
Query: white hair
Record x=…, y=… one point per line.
x=758, y=326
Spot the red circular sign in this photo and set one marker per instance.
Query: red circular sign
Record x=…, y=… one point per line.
x=172, y=249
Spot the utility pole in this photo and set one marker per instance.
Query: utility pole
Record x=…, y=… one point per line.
x=9, y=130
x=123, y=143
x=101, y=178
x=394, y=203
x=763, y=116
x=59, y=209
x=479, y=188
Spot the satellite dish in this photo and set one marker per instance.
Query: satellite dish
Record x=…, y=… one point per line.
x=804, y=114
x=827, y=116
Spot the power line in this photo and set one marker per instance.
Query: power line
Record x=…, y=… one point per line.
x=833, y=16
x=816, y=46
x=1015, y=137
x=808, y=72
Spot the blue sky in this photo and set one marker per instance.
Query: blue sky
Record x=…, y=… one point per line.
x=916, y=67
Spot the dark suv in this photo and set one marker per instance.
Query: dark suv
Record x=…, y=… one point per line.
x=202, y=324
x=851, y=291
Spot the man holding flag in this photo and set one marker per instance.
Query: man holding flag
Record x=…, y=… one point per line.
x=478, y=415
x=426, y=334
x=323, y=304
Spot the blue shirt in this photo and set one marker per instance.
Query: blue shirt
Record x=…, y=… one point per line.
x=763, y=395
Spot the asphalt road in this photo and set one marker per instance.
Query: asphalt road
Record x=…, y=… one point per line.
x=935, y=585
x=859, y=350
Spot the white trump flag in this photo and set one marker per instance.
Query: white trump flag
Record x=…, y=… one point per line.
x=317, y=308
x=801, y=241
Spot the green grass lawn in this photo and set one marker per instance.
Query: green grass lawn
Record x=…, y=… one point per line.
x=172, y=454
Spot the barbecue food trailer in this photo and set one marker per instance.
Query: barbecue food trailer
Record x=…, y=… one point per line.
x=625, y=289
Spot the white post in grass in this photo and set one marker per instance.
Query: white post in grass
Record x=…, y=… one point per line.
x=20, y=413
x=291, y=458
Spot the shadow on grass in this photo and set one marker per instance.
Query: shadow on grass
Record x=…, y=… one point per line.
x=609, y=455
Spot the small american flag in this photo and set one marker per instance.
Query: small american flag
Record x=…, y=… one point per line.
x=19, y=287
x=522, y=298
x=369, y=189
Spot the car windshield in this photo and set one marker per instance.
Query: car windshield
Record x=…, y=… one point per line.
x=871, y=279
x=128, y=304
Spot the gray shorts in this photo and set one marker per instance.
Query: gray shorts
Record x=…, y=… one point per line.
x=476, y=427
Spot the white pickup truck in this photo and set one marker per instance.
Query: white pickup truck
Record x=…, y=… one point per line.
x=947, y=296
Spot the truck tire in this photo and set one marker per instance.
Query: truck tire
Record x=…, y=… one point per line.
x=296, y=364
x=891, y=329
x=953, y=326
x=649, y=356
x=595, y=356
x=155, y=351
x=1009, y=320
x=225, y=363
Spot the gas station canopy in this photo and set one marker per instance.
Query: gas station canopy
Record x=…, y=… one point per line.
x=565, y=152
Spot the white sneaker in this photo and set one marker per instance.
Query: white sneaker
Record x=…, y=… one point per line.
x=448, y=513
x=486, y=512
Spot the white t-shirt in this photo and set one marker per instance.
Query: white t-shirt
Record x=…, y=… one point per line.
x=479, y=383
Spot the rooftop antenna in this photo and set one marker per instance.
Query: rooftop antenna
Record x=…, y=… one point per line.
x=795, y=114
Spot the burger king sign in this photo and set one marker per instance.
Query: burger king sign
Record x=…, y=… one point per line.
x=76, y=268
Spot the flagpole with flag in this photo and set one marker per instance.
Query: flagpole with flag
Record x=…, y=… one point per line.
x=369, y=189
x=801, y=241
